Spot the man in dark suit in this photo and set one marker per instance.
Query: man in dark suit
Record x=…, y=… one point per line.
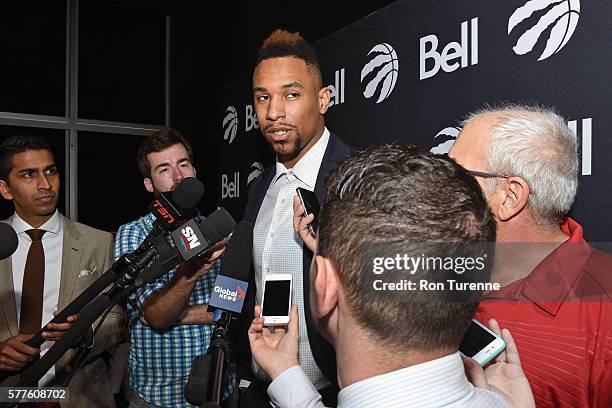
x=290, y=102
x=58, y=257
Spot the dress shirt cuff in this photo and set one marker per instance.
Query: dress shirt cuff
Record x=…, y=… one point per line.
x=292, y=388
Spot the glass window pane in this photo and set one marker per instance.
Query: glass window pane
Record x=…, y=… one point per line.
x=33, y=68
x=121, y=64
x=57, y=140
x=111, y=190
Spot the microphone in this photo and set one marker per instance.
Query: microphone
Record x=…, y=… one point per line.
x=231, y=283
x=195, y=389
x=8, y=240
x=228, y=296
x=213, y=229
x=174, y=207
x=171, y=209
x=193, y=238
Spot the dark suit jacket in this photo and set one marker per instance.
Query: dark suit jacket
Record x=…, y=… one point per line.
x=322, y=351
x=86, y=255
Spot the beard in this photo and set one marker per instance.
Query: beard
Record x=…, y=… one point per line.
x=287, y=150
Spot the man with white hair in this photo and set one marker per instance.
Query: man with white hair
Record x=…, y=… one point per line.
x=555, y=295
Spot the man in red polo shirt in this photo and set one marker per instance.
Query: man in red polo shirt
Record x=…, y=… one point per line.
x=556, y=289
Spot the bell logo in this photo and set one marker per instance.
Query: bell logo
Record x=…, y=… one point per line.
x=445, y=140
x=230, y=188
x=254, y=172
x=381, y=72
x=453, y=56
x=336, y=90
x=586, y=144
x=230, y=124
x=189, y=239
x=559, y=19
x=250, y=119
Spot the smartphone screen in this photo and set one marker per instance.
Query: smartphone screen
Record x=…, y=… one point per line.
x=276, y=298
x=475, y=340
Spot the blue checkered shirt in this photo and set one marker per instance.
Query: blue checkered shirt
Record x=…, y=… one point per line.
x=160, y=361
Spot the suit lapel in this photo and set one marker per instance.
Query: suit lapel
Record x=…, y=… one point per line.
x=259, y=193
x=330, y=158
x=7, y=295
x=72, y=251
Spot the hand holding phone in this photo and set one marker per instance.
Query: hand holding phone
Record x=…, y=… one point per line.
x=276, y=301
x=311, y=206
x=481, y=343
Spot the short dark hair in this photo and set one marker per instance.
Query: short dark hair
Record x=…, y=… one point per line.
x=400, y=196
x=156, y=142
x=283, y=43
x=19, y=144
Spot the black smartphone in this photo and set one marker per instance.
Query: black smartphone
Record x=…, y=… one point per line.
x=311, y=206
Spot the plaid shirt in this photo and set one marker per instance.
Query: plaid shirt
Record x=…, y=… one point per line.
x=160, y=361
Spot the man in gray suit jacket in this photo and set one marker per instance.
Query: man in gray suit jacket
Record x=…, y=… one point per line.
x=72, y=255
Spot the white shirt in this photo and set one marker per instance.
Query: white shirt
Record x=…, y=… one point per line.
x=436, y=383
x=52, y=242
x=277, y=248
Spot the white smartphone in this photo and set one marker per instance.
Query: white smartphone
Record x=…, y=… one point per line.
x=481, y=343
x=276, y=301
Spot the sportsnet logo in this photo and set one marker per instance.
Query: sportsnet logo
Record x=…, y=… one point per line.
x=188, y=239
x=556, y=17
x=230, y=124
x=381, y=72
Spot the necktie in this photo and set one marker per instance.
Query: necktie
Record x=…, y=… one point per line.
x=33, y=285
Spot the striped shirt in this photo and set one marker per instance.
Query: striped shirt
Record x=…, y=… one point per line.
x=436, y=383
x=277, y=248
x=160, y=361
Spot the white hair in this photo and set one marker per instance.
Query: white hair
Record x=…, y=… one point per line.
x=536, y=144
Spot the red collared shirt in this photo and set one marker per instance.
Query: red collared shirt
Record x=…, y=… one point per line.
x=560, y=316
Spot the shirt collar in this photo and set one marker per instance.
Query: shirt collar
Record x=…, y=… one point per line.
x=307, y=168
x=441, y=382
x=53, y=224
x=553, y=279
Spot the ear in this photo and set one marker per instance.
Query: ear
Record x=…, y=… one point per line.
x=324, y=97
x=148, y=183
x=5, y=190
x=326, y=286
x=513, y=198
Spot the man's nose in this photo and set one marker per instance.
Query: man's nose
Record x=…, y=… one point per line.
x=177, y=175
x=276, y=109
x=43, y=182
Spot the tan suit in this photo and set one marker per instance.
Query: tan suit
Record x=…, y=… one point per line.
x=84, y=248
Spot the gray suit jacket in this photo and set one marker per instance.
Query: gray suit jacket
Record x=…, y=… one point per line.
x=87, y=254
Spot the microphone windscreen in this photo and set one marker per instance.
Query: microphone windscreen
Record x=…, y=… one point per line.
x=197, y=384
x=188, y=193
x=236, y=261
x=8, y=240
x=218, y=225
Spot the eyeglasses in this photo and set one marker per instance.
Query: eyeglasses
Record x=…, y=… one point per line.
x=484, y=174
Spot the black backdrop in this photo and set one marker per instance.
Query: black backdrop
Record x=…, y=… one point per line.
x=409, y=72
